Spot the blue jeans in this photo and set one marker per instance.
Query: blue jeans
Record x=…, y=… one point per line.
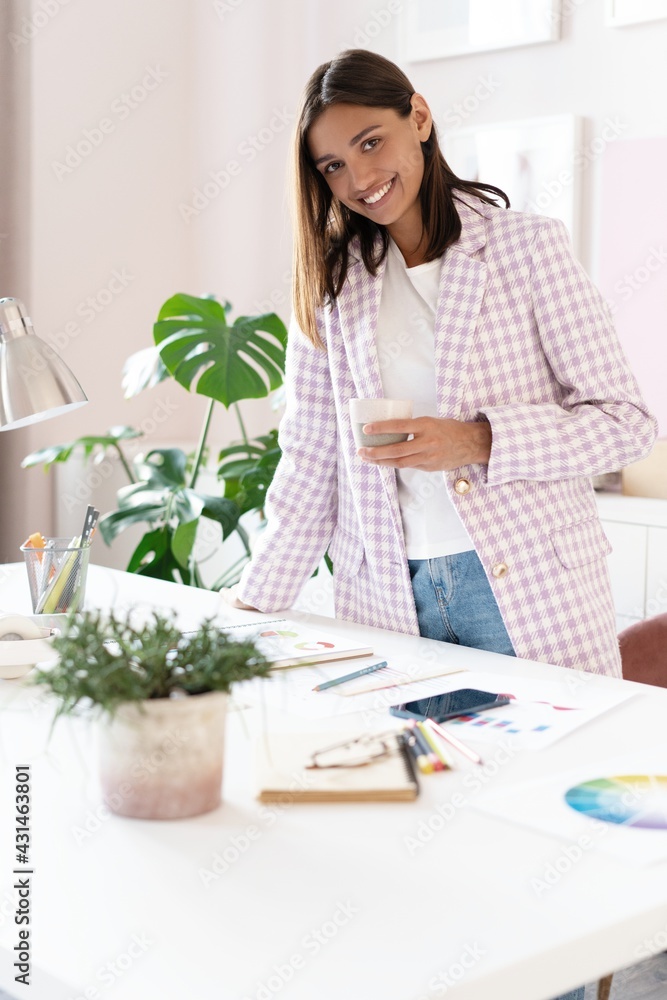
x=455, y=603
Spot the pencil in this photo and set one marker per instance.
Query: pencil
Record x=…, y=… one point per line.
x=427, y=750
x=423, y=763
x=350, y=677
x=444, y=759
x=411, y=743
x=454, y=741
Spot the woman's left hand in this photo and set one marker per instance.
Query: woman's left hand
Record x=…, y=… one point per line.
x=230, y=596
x=437, y=444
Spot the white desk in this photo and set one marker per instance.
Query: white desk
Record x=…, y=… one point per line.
x=120, y=909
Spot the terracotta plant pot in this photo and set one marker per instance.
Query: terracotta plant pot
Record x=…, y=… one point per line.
x=162, y=758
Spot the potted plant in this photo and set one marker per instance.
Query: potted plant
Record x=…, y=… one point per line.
x=162, y=697
x=196, y=345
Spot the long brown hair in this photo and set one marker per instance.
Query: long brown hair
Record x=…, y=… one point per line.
x=323, y=227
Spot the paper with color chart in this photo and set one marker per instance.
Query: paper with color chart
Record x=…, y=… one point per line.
x=287, y=643
x=617, y=805
x=539, y=713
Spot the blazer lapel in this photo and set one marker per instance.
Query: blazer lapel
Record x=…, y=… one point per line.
x=358, y=307
x=462, y=284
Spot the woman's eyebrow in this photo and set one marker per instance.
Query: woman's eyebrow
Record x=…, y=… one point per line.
x=355, y=139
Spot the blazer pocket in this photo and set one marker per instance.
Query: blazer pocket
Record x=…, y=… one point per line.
x=580, y=543
x=347, y=553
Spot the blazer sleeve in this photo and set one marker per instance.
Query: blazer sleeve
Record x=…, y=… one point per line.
x=302, y=501
x=602, y=423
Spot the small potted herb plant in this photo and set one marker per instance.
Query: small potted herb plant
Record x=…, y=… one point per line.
x=161, y=696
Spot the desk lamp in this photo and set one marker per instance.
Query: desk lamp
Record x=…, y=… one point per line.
x=35, y=384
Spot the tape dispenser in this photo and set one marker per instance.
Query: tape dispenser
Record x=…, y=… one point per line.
x=23, y=643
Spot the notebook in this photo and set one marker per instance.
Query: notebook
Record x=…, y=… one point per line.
x=282, y=775
x=289, y=644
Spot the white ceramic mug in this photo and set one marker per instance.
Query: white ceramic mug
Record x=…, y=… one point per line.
x=364, y=411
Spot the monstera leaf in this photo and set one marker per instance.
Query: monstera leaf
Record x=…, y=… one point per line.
x=92, y=445
x=162, y=499
x=143, y=370
x=248, y=469
x=227, y=363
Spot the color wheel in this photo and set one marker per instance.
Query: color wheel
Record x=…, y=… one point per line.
x=630, y=800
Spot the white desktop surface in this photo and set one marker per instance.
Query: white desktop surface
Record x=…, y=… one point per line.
x=119, y=908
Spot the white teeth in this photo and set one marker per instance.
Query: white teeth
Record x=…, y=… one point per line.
x=378, y=194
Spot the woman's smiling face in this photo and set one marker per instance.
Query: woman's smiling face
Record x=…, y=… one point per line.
x=372, y=160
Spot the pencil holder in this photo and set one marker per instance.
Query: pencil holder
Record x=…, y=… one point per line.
x=57, y=575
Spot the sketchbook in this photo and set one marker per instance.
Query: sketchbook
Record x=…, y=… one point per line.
x=282, y=773
x=286, y=643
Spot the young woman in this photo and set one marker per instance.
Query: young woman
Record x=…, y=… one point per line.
x=411, y=283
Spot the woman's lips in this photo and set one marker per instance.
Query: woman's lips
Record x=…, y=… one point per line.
x=384, y=192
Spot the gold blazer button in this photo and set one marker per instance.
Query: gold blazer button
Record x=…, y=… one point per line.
x=499, y=569
x=462, y=486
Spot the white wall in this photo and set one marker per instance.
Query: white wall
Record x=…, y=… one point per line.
x=233, y=72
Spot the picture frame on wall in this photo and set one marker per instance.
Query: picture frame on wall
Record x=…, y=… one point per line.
x=622, y=12
x=536, y=161
x=433, y=29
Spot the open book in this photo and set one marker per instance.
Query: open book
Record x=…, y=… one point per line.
x=289, y=644
x=282, y=773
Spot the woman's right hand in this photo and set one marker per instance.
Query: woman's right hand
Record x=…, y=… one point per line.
x=230, y=596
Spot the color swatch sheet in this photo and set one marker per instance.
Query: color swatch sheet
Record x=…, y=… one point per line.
x=540, y=712
x=618, y=806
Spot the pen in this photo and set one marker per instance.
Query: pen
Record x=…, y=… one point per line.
x=423, y=763
x=350, y=677
x=454, y=741
x=435, y=762
x=445, y=760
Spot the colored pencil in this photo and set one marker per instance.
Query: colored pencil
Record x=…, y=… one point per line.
x=454, y=741
x=350, y=677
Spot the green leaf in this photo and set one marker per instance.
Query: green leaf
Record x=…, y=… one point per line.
x=154, y=543
x=139, y=493
x=186, y=505
x=163, y=467
x=121, y=432
x=224, y=511
x=47, y=456
x=182, y=541
x=153, y=557
x=236, y=469
x=143, y=370
x=252, y=489
x=115, y=521
x=227, y=363
x=89, y=443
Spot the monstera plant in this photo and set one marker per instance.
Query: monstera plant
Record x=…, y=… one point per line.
x=196, y=346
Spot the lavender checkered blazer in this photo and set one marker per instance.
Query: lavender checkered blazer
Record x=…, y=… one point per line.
x=523, y=339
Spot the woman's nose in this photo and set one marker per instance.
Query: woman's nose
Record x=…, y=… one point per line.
x=361, y=178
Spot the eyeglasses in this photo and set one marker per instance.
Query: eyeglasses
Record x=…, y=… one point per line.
x=355, y=753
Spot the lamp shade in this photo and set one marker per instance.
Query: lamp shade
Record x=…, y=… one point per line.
x=35, y=382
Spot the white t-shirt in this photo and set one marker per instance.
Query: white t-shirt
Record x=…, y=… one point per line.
x=406, y=352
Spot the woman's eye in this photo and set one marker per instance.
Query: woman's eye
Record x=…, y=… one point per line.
x=370, y=143
x=331, y=167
